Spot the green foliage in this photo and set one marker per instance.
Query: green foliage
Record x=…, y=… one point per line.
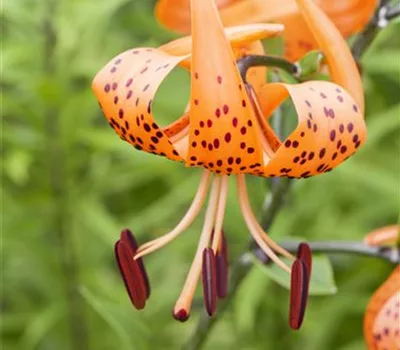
x=69, y=185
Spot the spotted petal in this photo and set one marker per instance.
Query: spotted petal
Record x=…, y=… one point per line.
x=330, y=128
x=222, y=133
x=382, y=318
x=125, y=89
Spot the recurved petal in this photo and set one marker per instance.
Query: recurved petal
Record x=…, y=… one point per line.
x=125, y=89
x=222, y=133
x=330, y=128
x=388, y=235
x=240, y=37
x=343, y=68
x=382, y=318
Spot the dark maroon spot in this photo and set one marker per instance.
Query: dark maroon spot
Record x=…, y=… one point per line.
x=154, y=126
x=197, y=132
x=334, y=156
x=219, y=79
x=144, y=70
x=149, y=106
x=117, y=61
x=238, y=161
x=129, y=94
x=132, y=138
x=235, y=122
x=196, y=75
x=250, y=150
x=113, y=69
x=355, y=138
x=154, y=139
x=210, y=147
x=159, y=134
x=115, y=100
x=315, y=127
x=322, y=153
x=340, y=98
x=310, y=115
x=201, y=124
x=302, y=134
x=228, y=137
x=146, y=87
x=193, y=158
x=209, y=123
x=126, y=124
x=137, y=101
x=350, y=127
x=225, y=109
x=135, y=52
x=303, y=154
x=129, y=82
x=323, y=95
x=204, y=144
x=355, y=108
x=250, y=123
x=341, y=128
x=308, y=103
x=243, y=168
x=243, y=130
x=343, y=149
x=114, y=86
x=140, y=140
x=219, y=162
x=107, y=87
x=121, y=113
x=332, y=135
x=230, y=160
x=339, y=144
x=194, y=144
x=244, y=103
x=303, y=161
x=358, y=143
x=147, y=127
x=196, y=102
x=217, y=112
x=243, y=145
x=296, y=159
x=295, y=144
x=311, y=156
x=216, y=143
x=288, y=143
x=309, y=125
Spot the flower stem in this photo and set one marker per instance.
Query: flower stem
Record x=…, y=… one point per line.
x=245, y=63
x=391, y=254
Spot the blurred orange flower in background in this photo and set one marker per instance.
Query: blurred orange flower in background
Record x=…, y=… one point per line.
x=382, y=318
x=350, y=16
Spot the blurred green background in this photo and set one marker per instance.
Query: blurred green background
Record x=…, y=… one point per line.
x=69, y=185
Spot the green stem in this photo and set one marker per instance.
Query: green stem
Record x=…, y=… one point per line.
x=245, y=63
x=57, y=156
x=391, y=254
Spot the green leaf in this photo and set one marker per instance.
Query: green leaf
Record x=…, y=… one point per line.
x=322, y=279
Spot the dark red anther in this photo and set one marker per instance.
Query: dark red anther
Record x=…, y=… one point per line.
x=222, y=269
x=182, y=315
x=128, y=238
x=209, y=275
x=304, y=253
x=298, y=293
x=131, y=274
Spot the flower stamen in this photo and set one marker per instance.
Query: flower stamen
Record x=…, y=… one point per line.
x=186, y=221
x=261, y=238
x=219, y=219
x=185, y=300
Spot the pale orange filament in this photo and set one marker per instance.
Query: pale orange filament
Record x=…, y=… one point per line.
x=219, y=220
x=186, y=221
x=261, y=238
x=185, y=300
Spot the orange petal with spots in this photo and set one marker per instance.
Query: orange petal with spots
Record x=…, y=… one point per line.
x=343, y=68
x=241, y=39
x=388, y=235
x=330, y=128
x=125, y=88
x=222, y=133
x=382, y=318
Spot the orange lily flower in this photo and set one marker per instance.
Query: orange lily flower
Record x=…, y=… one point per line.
x=350, y=16
x=226, y=132
x=382, y=318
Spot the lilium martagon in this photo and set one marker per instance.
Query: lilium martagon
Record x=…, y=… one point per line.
x=225, y=131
